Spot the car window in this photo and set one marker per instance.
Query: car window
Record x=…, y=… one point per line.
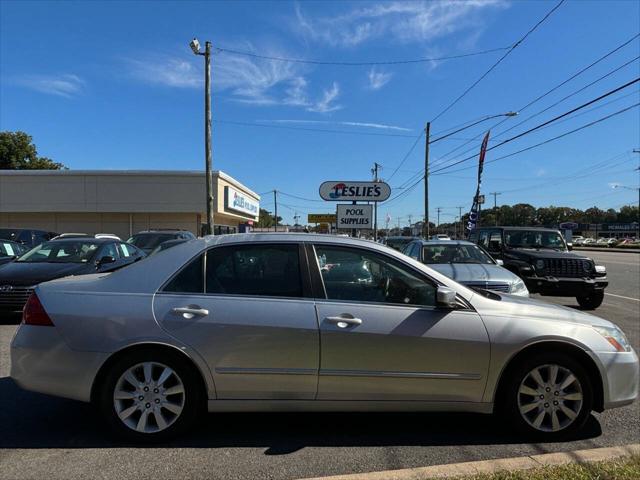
x=495, y=241
x=441, y=254
x=8, y=249
x=109, y=250
x=353, y=274
x=126, y=250
x=188, y=280
x=61, y=252
x=265, y=270
x=150, y=240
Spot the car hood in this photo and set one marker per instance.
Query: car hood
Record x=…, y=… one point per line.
x=474, y=272
x=524, y=308
x=545, y=253
x=24, y=273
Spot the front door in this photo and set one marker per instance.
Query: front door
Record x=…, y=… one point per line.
x=384, y=338
x=251, y=317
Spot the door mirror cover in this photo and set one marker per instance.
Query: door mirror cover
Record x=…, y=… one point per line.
x=500, y=262
x=446, y=296
x=106, y=259
x=569, y=246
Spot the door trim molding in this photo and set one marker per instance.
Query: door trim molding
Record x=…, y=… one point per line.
x=266, y=371
x=373, y=373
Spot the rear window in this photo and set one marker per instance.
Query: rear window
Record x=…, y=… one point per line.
x=9, y=234
x=150, y=240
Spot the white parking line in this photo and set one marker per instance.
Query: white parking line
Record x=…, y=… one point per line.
x=620, y=296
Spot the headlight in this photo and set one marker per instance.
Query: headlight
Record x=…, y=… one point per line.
x=540, y=264
x=601, y=269
x=615, y=337
x=519, y=288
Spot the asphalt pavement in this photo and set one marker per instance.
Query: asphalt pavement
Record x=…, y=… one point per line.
x=46, y=437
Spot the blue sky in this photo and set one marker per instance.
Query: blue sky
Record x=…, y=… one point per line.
x=114, y=85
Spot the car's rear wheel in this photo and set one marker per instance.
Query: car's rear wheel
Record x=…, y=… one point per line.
x=549, y=396
x=150, y=395
x=590, y=301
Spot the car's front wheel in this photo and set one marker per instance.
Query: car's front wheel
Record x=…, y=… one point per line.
x=590, y=301
x=150, y=395
x=549, y=396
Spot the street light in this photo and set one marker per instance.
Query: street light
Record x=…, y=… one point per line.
x=195, y=47
x=426, y=159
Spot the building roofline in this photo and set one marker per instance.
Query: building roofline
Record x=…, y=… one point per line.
x=131, y=173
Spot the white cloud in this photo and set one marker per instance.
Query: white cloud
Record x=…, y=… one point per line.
x=64, y=85
x=325, y=104
x=377, y=79
x=403, y=21
x=344, y=123
x=167, y=71
x=541, y=172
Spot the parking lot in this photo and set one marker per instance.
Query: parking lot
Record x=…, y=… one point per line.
x=54, y=438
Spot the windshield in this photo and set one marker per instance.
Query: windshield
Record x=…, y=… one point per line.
x=9, y=249
x=149, y=241
x=534, y=239
x=455, y=254
x=398, y=243
x=61, y=252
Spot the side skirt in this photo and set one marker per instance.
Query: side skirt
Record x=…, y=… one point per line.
x=345, y=406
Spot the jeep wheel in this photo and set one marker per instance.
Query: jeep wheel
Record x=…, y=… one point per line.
x=591, y=301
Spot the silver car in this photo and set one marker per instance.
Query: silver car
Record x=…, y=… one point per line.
x=467, y=263
x=266, y=322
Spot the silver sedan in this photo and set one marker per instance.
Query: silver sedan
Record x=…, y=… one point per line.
x=266, y=322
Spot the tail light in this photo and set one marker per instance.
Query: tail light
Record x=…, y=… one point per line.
x=35, y=314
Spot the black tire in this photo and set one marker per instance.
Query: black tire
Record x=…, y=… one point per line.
x=591, y=301
x=193, y=401
x=510, y=401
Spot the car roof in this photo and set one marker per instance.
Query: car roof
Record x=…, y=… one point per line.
x=84, y=239
x=541, y=229
x=447, y=242
x=169, y=230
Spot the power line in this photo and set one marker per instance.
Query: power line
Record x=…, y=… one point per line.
x=300, y=198
x=404, y=159
x=545, y=94
x=322, y=130
x=546, y=141
x=537, y=127
x=511, y=49
x=357, y=64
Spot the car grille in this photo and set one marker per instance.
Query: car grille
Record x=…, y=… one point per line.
x=14, y=297
x=495, y=286
x=564, y=267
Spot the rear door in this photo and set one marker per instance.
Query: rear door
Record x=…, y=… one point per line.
x=251, y=316
x=384, y=338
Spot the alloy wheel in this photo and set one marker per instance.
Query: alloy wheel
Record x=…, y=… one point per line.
x=149, y=397
x=550, y=398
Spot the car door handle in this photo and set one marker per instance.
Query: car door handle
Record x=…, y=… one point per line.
x=344, y=321
x=190, y=312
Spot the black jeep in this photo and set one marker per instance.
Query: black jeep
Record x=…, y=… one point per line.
x=540, y=257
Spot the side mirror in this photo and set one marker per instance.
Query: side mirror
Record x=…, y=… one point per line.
x=570, y=246
x=446, y=296
x=499, y=262
x=104, y=260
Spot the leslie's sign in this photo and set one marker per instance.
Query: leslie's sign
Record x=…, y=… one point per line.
x=355, y=191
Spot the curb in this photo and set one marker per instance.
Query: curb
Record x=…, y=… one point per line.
x=494, y=466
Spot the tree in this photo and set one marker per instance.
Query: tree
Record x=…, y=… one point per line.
x=17, y=152
x=265, y=219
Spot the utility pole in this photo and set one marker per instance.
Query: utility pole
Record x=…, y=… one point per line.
x=195, y=47
x=495, y=205
x=275, y=201
x=425, y=228
x=461, y=224
x=439, y=209
x=374, y=170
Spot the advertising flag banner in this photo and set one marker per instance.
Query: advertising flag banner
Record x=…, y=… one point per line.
x=474, y=214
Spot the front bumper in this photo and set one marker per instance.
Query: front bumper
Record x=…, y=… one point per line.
x=565, y=287
x=620, y=374
x=41, y=361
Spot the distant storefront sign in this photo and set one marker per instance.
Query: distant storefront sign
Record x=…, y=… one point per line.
x=569, y=226
x=239, y=202
x=340, y=191
x=321, y=218
x=619, y=227
x=354, y=216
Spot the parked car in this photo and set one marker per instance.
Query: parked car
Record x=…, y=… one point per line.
x=588, y=241
x=612, y=242
x=168, y=244
x=87, y=235
x=540, y=257
x=578, y=240
x=602, y=241
x=398, y=243
x=466, y=263
x=27, y=237
x=150, y=239
x=274, y=321
x=440, y=236
x=61, y=258
x=10, y=250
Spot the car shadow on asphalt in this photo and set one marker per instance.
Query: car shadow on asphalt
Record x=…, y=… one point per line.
x=11, y=318
x=31, y=420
